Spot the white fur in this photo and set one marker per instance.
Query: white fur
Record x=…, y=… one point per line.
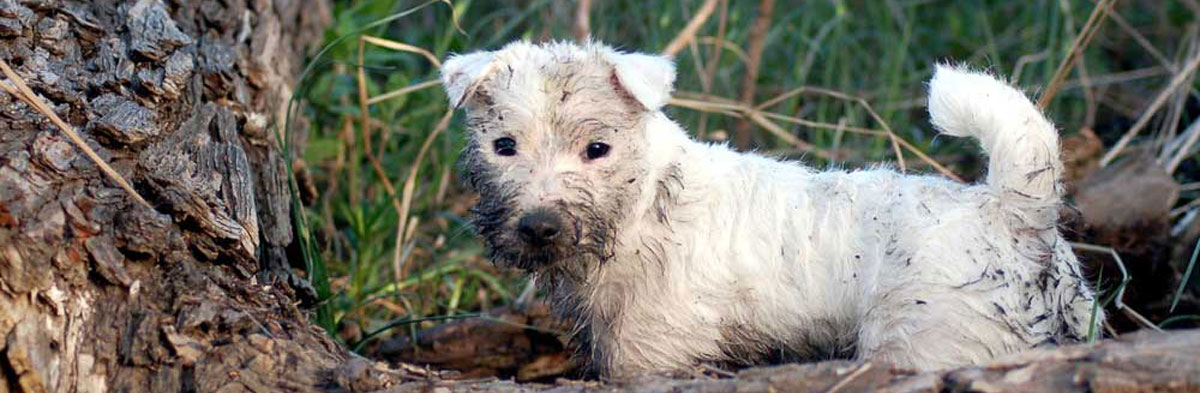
x=459, y=74
x=648, y=78
x=917, y=270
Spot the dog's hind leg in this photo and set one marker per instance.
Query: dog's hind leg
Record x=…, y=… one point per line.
x=952, y=301
x=938, y=328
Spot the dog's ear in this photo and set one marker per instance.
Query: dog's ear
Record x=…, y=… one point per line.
x=461, y=74
x=648, y=78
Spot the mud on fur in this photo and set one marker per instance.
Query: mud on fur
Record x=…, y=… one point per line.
x=668, y=252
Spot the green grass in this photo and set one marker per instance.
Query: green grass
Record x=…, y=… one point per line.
x=880, y=51
x=1093, y=325
x=1187, y=275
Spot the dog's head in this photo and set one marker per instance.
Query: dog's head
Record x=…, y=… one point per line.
x=558, y=145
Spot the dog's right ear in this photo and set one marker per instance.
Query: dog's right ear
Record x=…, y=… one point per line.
x=462, y=73
x=648, y=78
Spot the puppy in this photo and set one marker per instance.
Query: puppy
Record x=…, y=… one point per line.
x=667, y=252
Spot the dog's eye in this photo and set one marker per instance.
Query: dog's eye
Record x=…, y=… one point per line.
x=505, y=146
x=597, y=150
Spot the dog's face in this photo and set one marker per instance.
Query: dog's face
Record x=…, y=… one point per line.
x=557, y=146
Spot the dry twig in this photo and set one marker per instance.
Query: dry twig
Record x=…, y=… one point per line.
x=402, y=203
x=758, y=41
x=583, y=16
x=402, y=91
x=689, y=32
x=365, y=111
x=17, y=88
x=400, y=46
x=1089, y=30
x=1119, y=299
x=858, y=371
x=405, y=232
x=1179, y=79
x=1189, y=139
x=733, y=109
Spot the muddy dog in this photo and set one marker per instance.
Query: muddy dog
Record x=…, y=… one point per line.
x=669, y=252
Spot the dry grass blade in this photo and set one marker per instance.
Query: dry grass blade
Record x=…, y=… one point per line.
x=714, y=105
x=1115, y=78
x=1089, y=95
x=454, y=17
x=1179, y=211
x=17, y=88
x=758, y=42
x=1026, y=60
x=403, y=235
x=404, y=203
x=402, y=91
x=1141, y=40
x=718, y=42
x=365, y=111
x=1146, y=45
x=714, y=53
x=1179, y=80
x=400, y=46
x=706, y=106
x=583, y=20
x=1119, y=299
x=803, y=90
x=858, y=371
x=698, y=63
x=1190, y=136
x=775, y=129
x=708, y=76
x=897, y=141
x=1089, y=30
x=688, y=33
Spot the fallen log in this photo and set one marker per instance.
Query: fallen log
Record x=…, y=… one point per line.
x=1144, y=361
x=525, y=343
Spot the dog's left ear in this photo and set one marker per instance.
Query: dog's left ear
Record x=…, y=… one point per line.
x=461, y=73
x=648, y=78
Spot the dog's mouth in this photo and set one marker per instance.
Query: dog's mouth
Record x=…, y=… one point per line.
x=537, y=254
x=546, y=238
x=520, y=254
x=534, y=259
x=534, y=242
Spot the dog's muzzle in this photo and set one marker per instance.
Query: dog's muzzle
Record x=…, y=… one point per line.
x=540, y=228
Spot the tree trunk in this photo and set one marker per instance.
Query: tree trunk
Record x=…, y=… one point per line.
x=99, y=293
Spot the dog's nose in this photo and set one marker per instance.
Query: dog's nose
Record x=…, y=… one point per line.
x=539, y=228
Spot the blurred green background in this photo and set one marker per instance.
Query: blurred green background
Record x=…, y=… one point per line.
x=376, y=283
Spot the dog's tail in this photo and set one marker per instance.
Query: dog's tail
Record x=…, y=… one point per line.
x=1024, y=166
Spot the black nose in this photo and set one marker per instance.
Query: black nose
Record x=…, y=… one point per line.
x=539, y=227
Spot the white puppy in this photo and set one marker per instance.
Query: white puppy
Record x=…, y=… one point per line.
x=668, y=252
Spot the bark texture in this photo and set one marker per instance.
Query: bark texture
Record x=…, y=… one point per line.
x=98, y=293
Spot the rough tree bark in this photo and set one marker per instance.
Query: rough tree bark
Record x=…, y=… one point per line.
x=98, y=293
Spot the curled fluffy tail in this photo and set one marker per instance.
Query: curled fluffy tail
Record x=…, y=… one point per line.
x=1024, y=165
